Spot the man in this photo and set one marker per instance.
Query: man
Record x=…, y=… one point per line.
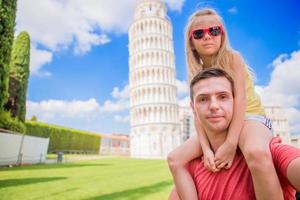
x=212, y=101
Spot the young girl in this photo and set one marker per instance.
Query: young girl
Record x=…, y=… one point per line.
x=206, y=46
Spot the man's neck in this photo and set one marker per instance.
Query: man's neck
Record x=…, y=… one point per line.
x=216, y=139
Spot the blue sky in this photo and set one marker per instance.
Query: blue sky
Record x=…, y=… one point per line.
x=79, y=56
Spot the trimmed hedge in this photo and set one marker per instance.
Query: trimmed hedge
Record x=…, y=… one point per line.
x=64, y=139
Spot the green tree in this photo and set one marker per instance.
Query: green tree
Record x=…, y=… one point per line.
x=33, y=118
x=7, y=25
x=18, y=76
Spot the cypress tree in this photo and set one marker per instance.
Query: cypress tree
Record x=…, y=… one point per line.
x=7, y=24
x=18, y=76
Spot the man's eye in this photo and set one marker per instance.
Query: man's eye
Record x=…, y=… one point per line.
x=223, y=97
x=203, y=99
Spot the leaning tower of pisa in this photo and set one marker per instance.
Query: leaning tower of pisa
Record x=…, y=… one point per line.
x=154, y=122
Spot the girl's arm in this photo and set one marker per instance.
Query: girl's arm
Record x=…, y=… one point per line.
x=177, y=161
x=208, y=155
x=186, y=152
x=225, y=154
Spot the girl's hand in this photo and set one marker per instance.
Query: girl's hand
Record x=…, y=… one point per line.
x=208, y=154
x=209, y=161
x=225, y=155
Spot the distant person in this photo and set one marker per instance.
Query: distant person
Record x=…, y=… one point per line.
x=207, y=46
x=212, y=101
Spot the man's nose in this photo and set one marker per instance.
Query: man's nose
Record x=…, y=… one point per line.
x=214, y=105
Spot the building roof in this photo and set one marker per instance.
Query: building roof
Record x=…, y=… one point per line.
x=115, y=136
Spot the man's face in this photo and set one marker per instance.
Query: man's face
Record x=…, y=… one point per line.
x=213, y=103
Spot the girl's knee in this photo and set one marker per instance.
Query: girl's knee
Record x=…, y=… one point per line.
x=258, y=158
x=173, y=161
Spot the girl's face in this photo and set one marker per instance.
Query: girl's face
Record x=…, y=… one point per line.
x=208, y=45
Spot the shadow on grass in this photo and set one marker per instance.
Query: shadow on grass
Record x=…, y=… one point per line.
x=135, y=193
x=54, y=166
x=62, y=192
x=27, y=181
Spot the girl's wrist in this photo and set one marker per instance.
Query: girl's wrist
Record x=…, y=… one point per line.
x=207, y=151
x=231, y=143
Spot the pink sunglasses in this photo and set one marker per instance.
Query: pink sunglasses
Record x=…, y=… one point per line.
x=197, y=34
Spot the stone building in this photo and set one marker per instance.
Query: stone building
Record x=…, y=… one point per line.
x=154, y=122
x=279, y=123
x=114, y=144
x=186, y=119
x=295, y=140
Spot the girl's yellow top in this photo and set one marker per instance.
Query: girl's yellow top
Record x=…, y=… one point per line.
x=254, y=106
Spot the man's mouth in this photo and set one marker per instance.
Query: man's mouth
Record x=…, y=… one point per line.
x=215, y=118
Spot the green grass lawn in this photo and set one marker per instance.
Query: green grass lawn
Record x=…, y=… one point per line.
x=105, y=179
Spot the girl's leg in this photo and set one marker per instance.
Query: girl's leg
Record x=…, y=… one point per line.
x=173, y=195
x=254, y=143
x=177, y=160
x=293, y=174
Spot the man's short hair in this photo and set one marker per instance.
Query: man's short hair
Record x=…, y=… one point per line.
x=210, y=73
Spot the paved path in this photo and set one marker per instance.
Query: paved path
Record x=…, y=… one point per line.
x=67, y=159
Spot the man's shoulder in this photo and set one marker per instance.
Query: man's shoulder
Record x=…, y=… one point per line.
x=282, y=154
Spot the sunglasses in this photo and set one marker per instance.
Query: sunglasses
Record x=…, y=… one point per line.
x=197, y=34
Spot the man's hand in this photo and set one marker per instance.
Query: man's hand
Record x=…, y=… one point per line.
x=225, y=155
x=209, y=161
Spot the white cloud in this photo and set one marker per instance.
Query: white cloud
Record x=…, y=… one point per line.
x=38, y=58
x=233, y=10
x=182, y=88
x=273, y=98
x=284, y=88
x=122, y=119
x=121, y=94
x=175, y=5
x=50, y=109
x=120, y=102
x=185, y=101
x=293, y=116
x=285, y=77
x=112, y=107
x=55, y=25
x=85, y=42
x=47, y=110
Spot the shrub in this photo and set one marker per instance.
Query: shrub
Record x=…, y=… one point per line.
x=64, y=139
x=7, y=25
x=11, y=123
x=18, y=76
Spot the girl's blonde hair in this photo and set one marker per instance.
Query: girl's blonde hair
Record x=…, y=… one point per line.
x=223, y=57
